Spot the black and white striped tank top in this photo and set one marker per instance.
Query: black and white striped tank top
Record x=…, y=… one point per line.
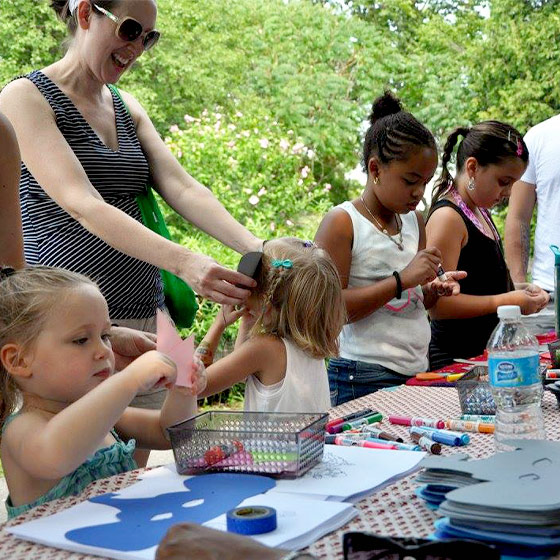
x=52, y=237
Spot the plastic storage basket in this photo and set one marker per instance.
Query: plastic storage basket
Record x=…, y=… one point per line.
x=474, y=391
x=280, y=444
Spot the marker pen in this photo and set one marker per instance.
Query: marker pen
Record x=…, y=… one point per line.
x=378, y=433
x=486, y=419
x=408, y=421
x=377, y=417
x=397, y=445
x=417, y=432
x=428, y=445
x=467, y=426
x=351, y=442
x=465, y=438
x=348, y=417
x=441, y=273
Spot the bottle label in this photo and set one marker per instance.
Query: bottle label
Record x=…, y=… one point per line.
x=514, y=372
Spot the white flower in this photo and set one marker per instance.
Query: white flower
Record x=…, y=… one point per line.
x=231, y=144
x=218, y=115
x=290, y=132
x=179, y=153
x=284, y=144
x=262, y=192
x=272, y=226
x=189, y=119
x=305, y=172
x=264, y=143
x=297, y=148
x=239, y=114
x=254, y=200
x=247, y=191
x=327, y=187
x=246, y=133
x=289, y=223
x=173, y=128
x=231, y=126
x=300, y=182
x=310, y=153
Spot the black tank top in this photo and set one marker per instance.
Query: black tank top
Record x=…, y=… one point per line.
x=483, y=259
x=52, y=237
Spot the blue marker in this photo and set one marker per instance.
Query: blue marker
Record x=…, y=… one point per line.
x=441, y=436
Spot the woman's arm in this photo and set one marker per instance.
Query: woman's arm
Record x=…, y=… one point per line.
x=11, y=239
x=63, y=178
x=183, y=193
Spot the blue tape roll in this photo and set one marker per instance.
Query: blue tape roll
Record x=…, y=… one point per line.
x=251, y=520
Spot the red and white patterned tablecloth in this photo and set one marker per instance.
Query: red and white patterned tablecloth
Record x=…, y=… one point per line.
x=395, y=510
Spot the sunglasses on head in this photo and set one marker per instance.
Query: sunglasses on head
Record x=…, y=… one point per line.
x=128, y=29
x=364, y=546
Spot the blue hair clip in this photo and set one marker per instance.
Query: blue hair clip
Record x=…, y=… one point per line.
x=285, y=264
x=308, y=244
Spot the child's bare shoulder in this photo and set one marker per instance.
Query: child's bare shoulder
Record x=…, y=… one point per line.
x=265, y=343
x=23, y=423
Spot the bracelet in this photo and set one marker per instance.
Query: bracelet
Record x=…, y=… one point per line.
x=399, y=284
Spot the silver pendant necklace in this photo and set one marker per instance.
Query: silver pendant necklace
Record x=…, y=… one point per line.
x=383, y=230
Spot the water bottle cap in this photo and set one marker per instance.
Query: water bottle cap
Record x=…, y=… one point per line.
x=509, y=312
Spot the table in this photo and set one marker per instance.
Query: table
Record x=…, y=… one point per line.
x=394, y=510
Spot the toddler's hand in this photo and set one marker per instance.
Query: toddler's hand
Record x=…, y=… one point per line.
x=230, y=313
x=199, y=379
x=450, y=287
x=152, y=369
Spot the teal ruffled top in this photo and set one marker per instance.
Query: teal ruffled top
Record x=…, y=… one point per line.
x=105, y=462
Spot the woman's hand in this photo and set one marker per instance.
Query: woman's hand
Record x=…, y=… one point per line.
x=215, y=282
x=421, y=269
x=450, y=287
x=128, y=344
x=187, y=541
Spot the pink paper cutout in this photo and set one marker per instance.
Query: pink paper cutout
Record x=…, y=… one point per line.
x=180, y=351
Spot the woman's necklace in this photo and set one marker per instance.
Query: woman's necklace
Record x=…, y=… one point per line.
x=383, y=230
x=471, y=215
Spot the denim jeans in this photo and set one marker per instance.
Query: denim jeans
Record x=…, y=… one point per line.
x=349, y=379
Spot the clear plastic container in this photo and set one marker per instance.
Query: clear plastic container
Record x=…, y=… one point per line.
x=515, y=378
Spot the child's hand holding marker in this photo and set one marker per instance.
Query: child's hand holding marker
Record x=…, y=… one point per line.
x=446, y=283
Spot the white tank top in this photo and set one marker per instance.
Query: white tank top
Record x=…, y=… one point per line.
x=398, y=334
x=305, y=387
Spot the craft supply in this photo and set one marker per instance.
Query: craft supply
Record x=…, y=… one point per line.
x=465, y=438
x=361, y=421
x=349, y=442
x=407, y=421
x=416, y=432
x=397, y=445
x=251, y=520
x=349, y=417
x=331, y=438
x=486, y=418
x=441, y=273
x=220, y=452
x=466, y=426
x=428, y=445
x=552, y=374
x=378, y=433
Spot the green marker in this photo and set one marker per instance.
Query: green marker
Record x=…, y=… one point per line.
x=361, y=421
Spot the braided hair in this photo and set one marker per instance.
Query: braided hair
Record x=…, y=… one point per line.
x=393, y=132
x=489, y=142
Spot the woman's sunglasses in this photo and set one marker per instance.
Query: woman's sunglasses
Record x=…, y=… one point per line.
x=128, y=29
x=363, y=546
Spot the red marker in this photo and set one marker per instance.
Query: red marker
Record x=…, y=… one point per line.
x=408, y=421
x=332, y=424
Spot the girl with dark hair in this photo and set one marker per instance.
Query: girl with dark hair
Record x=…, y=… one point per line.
x=377, y=242
x=490, y=158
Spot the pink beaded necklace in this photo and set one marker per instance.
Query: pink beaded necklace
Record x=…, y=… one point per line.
x=451, y=189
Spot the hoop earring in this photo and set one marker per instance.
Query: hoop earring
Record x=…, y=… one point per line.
x=471, y=186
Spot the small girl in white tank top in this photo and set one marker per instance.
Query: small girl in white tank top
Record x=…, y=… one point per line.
x=290, y=324
x=378, y=244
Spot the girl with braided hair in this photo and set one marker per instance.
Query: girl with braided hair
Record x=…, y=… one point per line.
x=490, y=158
x=378, y=245
x=291, y=324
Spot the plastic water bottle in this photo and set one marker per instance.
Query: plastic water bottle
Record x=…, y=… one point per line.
x=513, y=367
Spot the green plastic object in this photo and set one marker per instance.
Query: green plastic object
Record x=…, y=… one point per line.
x=180, y=299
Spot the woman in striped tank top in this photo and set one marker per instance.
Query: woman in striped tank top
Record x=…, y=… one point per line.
x=85, y=158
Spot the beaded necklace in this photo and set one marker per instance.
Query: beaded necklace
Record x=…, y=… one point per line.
x=471, y=216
